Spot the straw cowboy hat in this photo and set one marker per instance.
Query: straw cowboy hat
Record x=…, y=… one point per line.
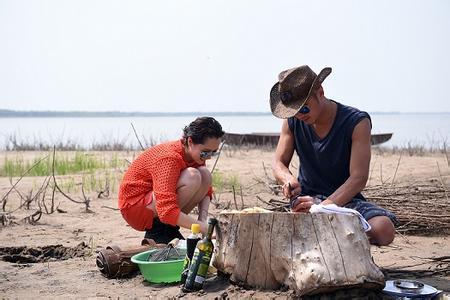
x=293, y=88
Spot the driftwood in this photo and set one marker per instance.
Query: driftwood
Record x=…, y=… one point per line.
x=271, y=138
x=309, y=253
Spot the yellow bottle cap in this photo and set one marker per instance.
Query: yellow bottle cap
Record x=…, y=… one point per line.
x=195, y=228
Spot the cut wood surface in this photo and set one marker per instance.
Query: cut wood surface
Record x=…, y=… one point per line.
x=310, y=253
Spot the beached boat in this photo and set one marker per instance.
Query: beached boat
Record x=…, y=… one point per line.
x=271, y=138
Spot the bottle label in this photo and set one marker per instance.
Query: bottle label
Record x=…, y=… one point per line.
x=204, y=264
x=198, y=270
x=199, y=279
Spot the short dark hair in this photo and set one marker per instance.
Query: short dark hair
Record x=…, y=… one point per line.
x=202, y=128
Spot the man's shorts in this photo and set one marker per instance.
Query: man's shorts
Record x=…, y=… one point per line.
x=367, y=209
x=139, y=216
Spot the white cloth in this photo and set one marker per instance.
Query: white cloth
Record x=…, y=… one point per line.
x=334, y=209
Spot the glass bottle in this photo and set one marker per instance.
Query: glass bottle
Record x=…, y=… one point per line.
x=200, y=263
x=191, y=243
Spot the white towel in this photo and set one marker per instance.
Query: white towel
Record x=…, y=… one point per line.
x=334, y=209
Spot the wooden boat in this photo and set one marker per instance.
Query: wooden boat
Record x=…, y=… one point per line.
x=271, y=138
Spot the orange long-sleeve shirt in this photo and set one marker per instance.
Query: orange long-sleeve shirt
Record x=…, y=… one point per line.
x=157, y=169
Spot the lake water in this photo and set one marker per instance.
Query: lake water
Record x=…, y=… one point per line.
x=429, y=130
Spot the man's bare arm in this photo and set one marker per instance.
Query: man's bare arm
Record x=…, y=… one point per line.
x=359, y=166
x=282, y=159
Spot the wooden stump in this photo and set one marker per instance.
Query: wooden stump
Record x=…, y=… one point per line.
x=310, y=253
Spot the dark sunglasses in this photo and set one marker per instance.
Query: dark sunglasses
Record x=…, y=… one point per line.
x=208, y=154
x=304, y=110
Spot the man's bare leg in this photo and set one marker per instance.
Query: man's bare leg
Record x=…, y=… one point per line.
x=382, y=232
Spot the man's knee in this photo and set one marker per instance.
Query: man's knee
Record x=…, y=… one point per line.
x=383, y=231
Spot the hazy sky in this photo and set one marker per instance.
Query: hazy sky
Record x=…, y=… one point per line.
x=209, y=55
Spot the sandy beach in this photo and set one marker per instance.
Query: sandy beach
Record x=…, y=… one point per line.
x=247, y=169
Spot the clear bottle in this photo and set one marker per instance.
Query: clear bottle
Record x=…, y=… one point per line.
x=191, y=243
x=200, y=263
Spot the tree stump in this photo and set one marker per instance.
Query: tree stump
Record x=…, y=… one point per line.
x=309, y=253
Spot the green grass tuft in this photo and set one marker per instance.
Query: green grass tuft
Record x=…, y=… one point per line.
x=222, y=182
x=64, y=165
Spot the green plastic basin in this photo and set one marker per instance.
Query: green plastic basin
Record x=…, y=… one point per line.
x=159, y=271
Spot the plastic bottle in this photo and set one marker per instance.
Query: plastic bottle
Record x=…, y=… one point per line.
x=200, y=263
x=191, y=243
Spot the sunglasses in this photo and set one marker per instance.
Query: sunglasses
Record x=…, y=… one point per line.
x=208, y=154
x=304, y=110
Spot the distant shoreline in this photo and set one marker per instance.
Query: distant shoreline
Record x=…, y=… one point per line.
x=116, y=114
x=4, y=113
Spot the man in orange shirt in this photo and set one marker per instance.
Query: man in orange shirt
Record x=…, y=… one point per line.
x=165, y=182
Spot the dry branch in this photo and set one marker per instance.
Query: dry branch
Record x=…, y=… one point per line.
x=420, y=208
x=218, y=155
x=33, y=218
x=135, y=133
x=439, y=266
x=18, y=180
x=86, y=201
x=102, y=194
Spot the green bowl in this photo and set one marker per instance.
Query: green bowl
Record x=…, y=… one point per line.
x=159, y=271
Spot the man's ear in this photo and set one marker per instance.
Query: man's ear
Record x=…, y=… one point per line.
x=320, y=92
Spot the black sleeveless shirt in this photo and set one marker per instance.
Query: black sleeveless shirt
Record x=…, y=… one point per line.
x=325, y=163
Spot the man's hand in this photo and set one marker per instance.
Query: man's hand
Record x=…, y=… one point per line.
x=291, y=188
x=327, y=201
x=303, y=204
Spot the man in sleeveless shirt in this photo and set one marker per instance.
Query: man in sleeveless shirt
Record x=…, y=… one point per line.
x=332, y=141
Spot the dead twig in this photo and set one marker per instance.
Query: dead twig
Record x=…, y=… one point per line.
x=242, y=198
x=442, y=181
x=218, y=155
x=440, y=266
x=446, y=154
x=20, y=178
x=105, y=192
x=274, y=188
x=33, y=218
x=26, y=200
x=109, y=207
x=86, y=201
x=234, y=198
x=5, y=219
x=135, y=133
x=371, y=171
x=396, y=169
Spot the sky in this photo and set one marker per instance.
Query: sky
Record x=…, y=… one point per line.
x=207, y=55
